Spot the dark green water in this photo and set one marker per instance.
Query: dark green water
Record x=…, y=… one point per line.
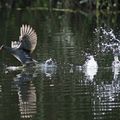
x=64, y=92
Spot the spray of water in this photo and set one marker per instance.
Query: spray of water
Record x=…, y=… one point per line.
x=107, y=40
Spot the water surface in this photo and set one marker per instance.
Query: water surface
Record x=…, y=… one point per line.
x=65, y=92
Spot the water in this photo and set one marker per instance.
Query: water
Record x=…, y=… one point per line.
x=67, y=90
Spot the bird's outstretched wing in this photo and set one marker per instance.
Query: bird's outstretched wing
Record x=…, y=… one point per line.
x=27, y=38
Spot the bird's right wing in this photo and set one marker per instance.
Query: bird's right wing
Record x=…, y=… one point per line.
x=27, y=38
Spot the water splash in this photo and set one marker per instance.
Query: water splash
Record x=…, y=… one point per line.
x=108, y=41
x=90, y=67
x=48, y=68
x=116, y=67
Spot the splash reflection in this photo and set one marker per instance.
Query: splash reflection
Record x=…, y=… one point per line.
x=106, y=98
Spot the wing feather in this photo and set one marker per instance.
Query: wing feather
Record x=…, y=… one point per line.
x=28, y=38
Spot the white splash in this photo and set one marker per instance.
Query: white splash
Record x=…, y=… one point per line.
x=90, y=68
x=116, y=67
x=108, y=41
x=48, y=68
x=14, y=68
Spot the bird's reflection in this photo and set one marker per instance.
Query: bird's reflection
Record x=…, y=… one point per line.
x=26, y=94
x=25, y=87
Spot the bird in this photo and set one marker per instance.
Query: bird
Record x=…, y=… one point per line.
x=23, y=48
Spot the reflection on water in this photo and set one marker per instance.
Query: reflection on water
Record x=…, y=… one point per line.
x=27, y=100
x=66, y=83
x=26, y=94
x=107, y=99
